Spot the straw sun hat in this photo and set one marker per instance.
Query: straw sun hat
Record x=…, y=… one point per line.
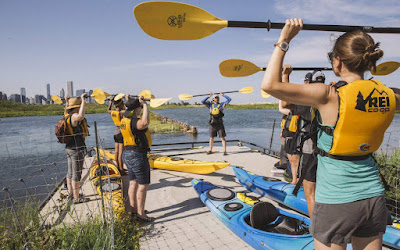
x=74, y=103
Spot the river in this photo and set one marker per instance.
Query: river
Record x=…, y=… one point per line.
x=28, y=143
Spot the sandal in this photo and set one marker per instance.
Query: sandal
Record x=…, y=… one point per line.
x=209, y=152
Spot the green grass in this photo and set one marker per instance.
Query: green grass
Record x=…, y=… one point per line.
x=13, y=109
x=92, y=233
x=391, y=173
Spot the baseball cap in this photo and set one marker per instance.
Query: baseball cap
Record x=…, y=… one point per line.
x=131, y=104
x=315, y=76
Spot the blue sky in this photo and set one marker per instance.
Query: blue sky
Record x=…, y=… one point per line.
x=98, y=44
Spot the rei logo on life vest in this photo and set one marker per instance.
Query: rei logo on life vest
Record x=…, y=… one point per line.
x=375, y=102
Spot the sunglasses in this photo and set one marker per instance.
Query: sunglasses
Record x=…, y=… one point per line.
x=331, y=55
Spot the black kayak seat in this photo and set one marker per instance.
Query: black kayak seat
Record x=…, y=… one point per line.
x=262, y=213
x=264, y=216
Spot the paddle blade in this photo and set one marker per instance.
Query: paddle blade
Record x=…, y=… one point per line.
x=56, y=99
x=119, y=96
x=152, y=96
x=237, y=68
x=145, y=93
x=154, y=103
x=176, y=21
x=246, y=90
x=185, y=97
x=264, y=94
x=386, y=68
x=99, y=96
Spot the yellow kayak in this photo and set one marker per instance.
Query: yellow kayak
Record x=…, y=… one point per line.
x=185, y=165
x=177, y=163
x=111, y=185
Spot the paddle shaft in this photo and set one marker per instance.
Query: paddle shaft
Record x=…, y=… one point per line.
x=306, y=68
x=321, y=27
x=218, y=92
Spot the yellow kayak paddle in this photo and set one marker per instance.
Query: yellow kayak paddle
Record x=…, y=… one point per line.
x=179, y=21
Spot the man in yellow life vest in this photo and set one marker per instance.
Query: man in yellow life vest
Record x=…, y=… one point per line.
x=137, y=142
x=216, y=124
x=75, y=148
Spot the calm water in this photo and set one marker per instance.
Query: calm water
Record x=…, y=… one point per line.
x=28, y=143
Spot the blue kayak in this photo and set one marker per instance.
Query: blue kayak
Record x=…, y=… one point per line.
x=259, y=224
x=281, y=192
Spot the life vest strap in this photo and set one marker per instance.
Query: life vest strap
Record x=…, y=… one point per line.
x=327, y=130
x=342, y=157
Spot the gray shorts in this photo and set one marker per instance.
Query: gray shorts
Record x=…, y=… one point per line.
x=337, y=223
x=217, y=129
x=75, y=160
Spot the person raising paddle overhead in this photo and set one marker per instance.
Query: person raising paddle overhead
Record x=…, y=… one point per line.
x=216, y=124
x=353, y=116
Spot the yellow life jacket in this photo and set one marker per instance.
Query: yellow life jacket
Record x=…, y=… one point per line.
x=215, y=109
x=283, y=123
x=129, y=137
x=83, y=127
x=291, y=123
x=115, y=116
x=366, y=109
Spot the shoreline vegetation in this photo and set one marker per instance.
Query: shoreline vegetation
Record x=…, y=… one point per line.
x=13, y=109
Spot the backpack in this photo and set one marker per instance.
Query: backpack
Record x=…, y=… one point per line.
x=61, y=130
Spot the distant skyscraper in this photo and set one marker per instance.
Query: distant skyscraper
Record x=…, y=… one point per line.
x=15, y=98
x=4, y=97
x=48, y=93
x=23, y=95
x=1, y=96
x=70, y=88
x=90, y=95
x=39, y=99
x=62, y=93
x=79, y=92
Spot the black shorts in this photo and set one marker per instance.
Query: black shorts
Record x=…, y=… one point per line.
x=291, y=146
x=219, y=128
x=118, y=138
x=309, y=170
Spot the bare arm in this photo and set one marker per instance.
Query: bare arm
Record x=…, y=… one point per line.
x=145, y=120
x=77, y=117
x=309, y=95
x=283, y=110
x=287, y=70
x=110, y=105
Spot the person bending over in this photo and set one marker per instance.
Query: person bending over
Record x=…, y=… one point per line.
x=216, y=124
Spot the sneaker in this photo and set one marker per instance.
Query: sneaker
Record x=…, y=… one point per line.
x=81, y=200
x=225, y=153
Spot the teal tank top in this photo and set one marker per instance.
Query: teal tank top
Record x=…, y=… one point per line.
x=345, y=181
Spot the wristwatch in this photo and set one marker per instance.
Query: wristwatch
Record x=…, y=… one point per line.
x=284, y=46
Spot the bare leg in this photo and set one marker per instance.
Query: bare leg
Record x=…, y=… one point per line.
x=141, y=199
x=211, y=143
x=309, y=191
x=368, y=243
x=75, y=187
x=322, y=246
x=69, y=186
x=223, y=143
x=294, y=164
x=120, y=151
x=116, y=154
x=133, y=186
